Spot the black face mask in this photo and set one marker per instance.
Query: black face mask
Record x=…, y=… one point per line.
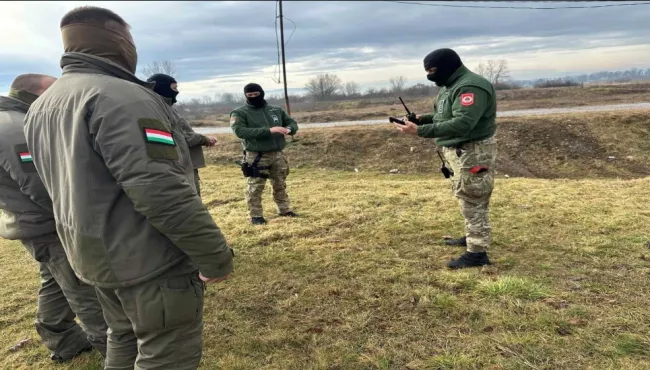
x=258, y=101
x=445, y=61
x=164, y=86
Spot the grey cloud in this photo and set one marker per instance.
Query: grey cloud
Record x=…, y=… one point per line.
x=230, y=39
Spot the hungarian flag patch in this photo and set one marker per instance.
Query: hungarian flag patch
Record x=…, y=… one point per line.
x=25, y=157
x=467, y=99
x=159, y=137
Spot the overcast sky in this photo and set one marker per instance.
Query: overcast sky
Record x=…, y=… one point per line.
x=221, y=46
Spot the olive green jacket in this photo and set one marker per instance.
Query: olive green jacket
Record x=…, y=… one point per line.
x=194, y=140
x=465, y=111
x=119, y=173
x=252, y=125
x=25, y=207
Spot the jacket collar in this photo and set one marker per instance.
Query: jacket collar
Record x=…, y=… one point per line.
x=87, y=63
x=11, y=104
x=456, y=75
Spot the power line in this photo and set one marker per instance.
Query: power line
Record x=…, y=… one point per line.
x=292, y=32
x=277, y=44
x=522, y=7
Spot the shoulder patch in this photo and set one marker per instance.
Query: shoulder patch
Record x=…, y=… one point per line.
x=158, y=139
x=467, y=99
x=25, y=158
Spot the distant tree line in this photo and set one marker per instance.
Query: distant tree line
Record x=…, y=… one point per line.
x=327, y=87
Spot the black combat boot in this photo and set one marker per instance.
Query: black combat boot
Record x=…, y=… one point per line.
x=460, y=242
x=58, y=359
x=258, y=221
x=469, y=260
x=288, y=214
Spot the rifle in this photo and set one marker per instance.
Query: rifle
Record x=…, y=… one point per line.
x=413, y=118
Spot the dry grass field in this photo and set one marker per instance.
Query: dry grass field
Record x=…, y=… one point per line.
x=358, y=281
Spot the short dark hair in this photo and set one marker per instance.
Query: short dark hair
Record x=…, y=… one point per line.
x=30, y=82
x=93, y=15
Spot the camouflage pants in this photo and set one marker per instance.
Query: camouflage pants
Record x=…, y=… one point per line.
x=63, y=297
x=278, y=172
x=157, y=324
x=473, y=190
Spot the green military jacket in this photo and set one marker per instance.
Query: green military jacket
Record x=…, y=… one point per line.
x=195, y=141
x=119, y=173
x=252, y=126
x=465, y=111
x=25, y=207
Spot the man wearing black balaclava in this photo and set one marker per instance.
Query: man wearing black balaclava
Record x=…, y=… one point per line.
x=261, y=127
x=463, y=124
x=167, y=87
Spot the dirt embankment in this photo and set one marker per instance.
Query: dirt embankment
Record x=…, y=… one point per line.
x=594, y=145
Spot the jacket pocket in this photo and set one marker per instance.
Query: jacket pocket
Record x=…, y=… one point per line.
x=182, y=298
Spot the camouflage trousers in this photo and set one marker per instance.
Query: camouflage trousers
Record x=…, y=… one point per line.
x=63, y=297
x=278, y=171
x=473, y=190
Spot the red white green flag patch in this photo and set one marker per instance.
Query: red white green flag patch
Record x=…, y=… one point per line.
x=157, y=136
x=25, y=157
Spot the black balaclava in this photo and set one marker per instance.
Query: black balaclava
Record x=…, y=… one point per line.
x=446, y=62
x=257, y=101
x=164, y=86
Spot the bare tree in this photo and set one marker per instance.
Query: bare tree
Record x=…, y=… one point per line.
x=228, y=98
x=324, y=86
x=397, y=84
x=496, y=71
x=351, y=88
x=165, y=67
x=206, y=100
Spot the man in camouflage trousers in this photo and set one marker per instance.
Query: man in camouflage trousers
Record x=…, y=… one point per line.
x=26, y=214
x=261, y=127
x=463, y=124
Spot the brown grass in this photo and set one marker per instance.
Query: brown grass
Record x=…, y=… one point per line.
x=528, y=98
x=358, y=281
x=560, y=146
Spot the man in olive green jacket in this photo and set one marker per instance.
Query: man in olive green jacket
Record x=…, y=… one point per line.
x=119, y=173
x=464, y=124
x=261, y=127
x=167, y=87
x=26, y=215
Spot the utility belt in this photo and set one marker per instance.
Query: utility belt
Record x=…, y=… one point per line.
x=253, y=170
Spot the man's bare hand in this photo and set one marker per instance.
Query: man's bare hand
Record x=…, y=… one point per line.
x=280, y=130
x=211, y=141
x=208, y=281
x=409, y=127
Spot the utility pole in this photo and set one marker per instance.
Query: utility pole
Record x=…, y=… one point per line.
x=284, y=66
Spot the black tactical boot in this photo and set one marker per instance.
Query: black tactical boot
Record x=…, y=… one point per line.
x=258, y=221
x=56, y=358
x=288, y=214
x=469, y=260
x=460, y=242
